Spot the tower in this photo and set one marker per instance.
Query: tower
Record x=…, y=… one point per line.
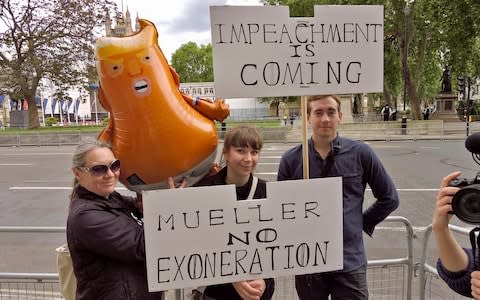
x=123, y=24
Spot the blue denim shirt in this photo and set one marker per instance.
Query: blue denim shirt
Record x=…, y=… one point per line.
x=358, y=166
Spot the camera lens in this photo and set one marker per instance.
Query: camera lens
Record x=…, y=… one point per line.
x=466, y=204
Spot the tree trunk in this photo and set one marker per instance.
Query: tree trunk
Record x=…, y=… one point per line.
x=33, y=121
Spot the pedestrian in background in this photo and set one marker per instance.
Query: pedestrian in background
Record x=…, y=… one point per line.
x=357, y=164
x=386, y=112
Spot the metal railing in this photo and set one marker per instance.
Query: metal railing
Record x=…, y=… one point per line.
x=424, y=268
x=386, y=131
x=387, y=278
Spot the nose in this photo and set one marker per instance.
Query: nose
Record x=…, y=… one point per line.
x=133, y=68
x=325, y=118
x=109, y=173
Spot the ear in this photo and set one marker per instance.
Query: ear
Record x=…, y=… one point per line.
x=76, y=172
x=340, y=115
x=225, y=154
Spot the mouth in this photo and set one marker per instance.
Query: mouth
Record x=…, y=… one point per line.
x=141, y=86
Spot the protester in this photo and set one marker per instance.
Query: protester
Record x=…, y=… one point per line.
x=104, y=230
x=455, y=264
x=357, y=164
x=241, y=148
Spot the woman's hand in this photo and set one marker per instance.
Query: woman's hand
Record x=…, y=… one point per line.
x=250, y=289
x=443, y=205
x=139, y=202
x=475, y=281
x=171, y=183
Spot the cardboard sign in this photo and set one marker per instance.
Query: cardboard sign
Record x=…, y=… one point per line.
x=203, y=236
x=260, y=51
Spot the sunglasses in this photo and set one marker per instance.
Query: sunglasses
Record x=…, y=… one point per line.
x=99, y=170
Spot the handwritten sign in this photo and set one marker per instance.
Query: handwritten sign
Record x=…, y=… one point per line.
x=261, y=51
x=204, y=236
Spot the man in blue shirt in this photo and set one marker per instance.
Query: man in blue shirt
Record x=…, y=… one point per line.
x=330, y=155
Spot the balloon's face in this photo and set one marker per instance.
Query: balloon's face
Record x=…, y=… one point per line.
x=130, y=71
x=129, y=67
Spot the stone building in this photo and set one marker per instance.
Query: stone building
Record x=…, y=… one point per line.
x=121, y=25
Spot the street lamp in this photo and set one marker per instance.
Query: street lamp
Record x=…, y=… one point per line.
x=407, y=10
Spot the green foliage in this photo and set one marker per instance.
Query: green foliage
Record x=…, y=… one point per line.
x=193, y=63
x=437, y=32
x=50, y=121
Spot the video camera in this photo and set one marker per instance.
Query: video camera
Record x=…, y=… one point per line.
x=466, y=202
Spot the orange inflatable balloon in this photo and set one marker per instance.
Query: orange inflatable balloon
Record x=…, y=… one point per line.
x=156, y=131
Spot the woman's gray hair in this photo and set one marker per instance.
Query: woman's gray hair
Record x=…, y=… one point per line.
x=78, y=159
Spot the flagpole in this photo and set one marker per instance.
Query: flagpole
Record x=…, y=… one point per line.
x=75, y=109
x=43, y=111
x=306, y=169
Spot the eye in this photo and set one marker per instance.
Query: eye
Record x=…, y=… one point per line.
x=114, y=70
x=146, y=58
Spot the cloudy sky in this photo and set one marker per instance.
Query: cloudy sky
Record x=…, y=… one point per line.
x=178, y=21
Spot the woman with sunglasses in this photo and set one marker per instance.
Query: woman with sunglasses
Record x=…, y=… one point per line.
x=241, y=148
x=104, y=230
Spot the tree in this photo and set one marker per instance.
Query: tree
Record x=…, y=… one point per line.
x=193, y=63
x=47, y=39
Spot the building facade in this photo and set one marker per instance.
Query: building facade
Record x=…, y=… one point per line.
x=240, y=108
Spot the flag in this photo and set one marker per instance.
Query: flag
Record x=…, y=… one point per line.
x=54, y=105
x=44, y=105
x=13, y=104
x=77, y=104
x=48, y=107
x=60, y=106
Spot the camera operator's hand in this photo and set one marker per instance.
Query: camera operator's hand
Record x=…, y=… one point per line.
x=443, y=205
x=451, y=254
x=475, y=281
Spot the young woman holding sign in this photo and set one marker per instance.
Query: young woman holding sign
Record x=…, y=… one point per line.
x=241, y=150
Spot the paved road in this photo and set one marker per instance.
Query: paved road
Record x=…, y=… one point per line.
x=35, y=183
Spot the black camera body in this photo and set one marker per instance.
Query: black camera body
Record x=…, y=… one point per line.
x=466, y=202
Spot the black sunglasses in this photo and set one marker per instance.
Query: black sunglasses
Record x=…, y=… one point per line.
x=99, y=170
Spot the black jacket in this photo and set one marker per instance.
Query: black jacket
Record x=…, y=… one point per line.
x=227, y=291
x=106, y=242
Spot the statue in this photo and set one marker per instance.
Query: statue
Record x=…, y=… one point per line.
x=446, y=83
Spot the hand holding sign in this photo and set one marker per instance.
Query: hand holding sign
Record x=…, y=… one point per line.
x=216, y=239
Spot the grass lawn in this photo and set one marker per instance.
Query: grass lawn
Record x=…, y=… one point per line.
x=270, y=123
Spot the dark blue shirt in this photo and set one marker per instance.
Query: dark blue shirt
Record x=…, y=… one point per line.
x=458, y=281
x=358, y=166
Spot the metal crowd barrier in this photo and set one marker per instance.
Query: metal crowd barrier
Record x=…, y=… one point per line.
x=387, y=278
x=428, y=274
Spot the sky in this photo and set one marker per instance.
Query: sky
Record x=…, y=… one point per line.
x=179, y=21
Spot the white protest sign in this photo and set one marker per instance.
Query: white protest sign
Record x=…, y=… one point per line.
x=203, y=236
x=261, y=51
